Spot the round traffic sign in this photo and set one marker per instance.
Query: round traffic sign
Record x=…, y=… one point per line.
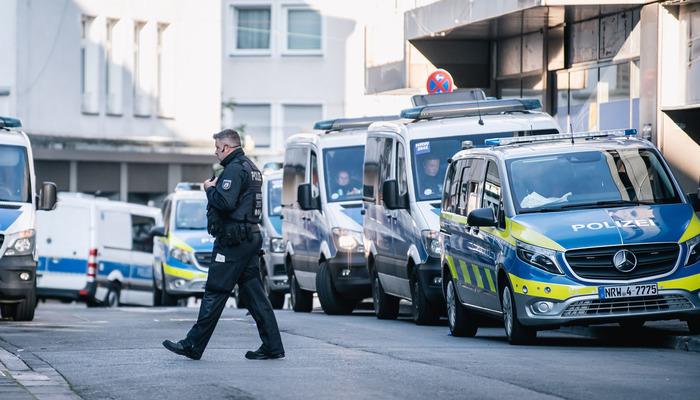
x=440, y=81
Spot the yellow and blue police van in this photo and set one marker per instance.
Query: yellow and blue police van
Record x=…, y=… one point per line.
x=567, y=229
x=272, y=270
x=18, y=205
x=404, y=168
x=182, y=247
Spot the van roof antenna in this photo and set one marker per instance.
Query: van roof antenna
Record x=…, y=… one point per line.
x=571, y=131
x=478, y=109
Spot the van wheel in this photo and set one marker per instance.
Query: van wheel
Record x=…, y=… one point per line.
x=25, y=308
x=515, y=331
x=424, y=313
x=386, y=306
x=331, y=301
x=166, y=299
x=112, y=296
x=157, y=295
x=460, y=319
x=8, y=310
x=276, y=298
x=302, y=300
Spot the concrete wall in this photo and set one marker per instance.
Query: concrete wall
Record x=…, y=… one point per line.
x=8, y=65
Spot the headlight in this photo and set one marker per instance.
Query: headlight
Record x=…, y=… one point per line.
x=21, y=243
x=347, y=240
x=545, y=259
x=693, y=250
x=277, y=245
x=184, y=256
x=431, y=241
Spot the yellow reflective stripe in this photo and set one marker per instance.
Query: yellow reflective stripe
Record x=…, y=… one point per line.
x=502, y=234
x=451, y=265
x=467, y=277
x=479, y=279
x=175, y=242
x=490, y=279
x=460, y=219
x=557, y=291
x=182, y=273
x=533, y=237
x=689, y=283
x=692, y=230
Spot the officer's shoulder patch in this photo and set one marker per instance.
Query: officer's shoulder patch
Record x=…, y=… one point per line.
x=226, y=184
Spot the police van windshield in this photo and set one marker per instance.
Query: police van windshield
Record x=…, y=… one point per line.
x=343, y=170
x=274, y=197
x=430, y=159
x=14, y=174
x=191, y=214
x=590, y=179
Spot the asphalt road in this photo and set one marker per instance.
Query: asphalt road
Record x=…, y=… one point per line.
x=116, y=354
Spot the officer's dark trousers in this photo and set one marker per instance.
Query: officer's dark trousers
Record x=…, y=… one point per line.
x=240, y=266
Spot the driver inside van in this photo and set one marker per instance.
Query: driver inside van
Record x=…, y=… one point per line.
x=432, y=180
x=345, y=186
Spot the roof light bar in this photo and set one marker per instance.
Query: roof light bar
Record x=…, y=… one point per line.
x=559, y=136
x=351, y=123
x=459, y=95
x=7, y=122
x=470, y=108
x=187, y=186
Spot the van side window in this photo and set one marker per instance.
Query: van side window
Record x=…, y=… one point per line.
x=386, y=163
x=140, y=239
x=449, y=194
x=492, y=193
x=371, y=168
x=472, y=185
x=294, y=174
x=315, y=190
x=464, y=189
x=166, y=215
x=401, y=169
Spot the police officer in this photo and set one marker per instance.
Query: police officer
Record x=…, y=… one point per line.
x=233, y=214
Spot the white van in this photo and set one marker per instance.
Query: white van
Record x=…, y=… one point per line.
x=404, y=172
x=96, y=250
x=18, y=203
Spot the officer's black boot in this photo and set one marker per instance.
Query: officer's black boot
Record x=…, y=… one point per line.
x=182, y=349
x=260, y=354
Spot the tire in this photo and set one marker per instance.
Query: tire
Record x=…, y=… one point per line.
x=386, y=306
x=515, y=331
x=166, y=300
x=276, y=298
x=461, y=320
x=157, y=295
x=8, y=310
x=25, y=308
x=331, y=301
x=301, y=300
x=112, y=296
x=424, y=313
x=694, y=325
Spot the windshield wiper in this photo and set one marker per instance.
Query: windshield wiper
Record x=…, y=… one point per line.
x=600, y=203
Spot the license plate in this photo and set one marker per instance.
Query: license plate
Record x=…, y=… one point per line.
x=615, y=292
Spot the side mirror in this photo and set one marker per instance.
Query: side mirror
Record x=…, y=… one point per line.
x=157, y=231
x=694, y=200
x=482, y=217
x=305, y=198
x=47, y=198
x=390, y=195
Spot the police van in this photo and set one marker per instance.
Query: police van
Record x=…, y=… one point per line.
x=272, y=269
x=18, y=203
x=322, y=224
x=405, y=163
x=96, y=250
x=565, y=229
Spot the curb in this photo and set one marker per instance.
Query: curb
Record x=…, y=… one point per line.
x=34, y=375
x=646, y=336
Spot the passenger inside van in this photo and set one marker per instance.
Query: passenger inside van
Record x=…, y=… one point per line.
x=345, y=186
x=432, y=179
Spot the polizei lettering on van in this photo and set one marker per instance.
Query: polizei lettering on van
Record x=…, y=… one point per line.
x=632, y=223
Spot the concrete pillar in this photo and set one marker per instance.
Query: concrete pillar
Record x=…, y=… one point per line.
x=174, y=175
x=73, y=177
x=123, y=181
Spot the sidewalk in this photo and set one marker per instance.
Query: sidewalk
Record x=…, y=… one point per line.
x=30, y=378
x=671, y=334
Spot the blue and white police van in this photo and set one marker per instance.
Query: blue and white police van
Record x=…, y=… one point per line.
x=96, y=250
x=18, y=205
x=553, y=230
x=405, y=163
x=272, y=270
x=322, y=224
x=182, y=247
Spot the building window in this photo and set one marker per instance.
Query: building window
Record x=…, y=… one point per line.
x=142, y=71
x=89, y=66
x=253, y=122
x=166, y=71
x=303, y=30
x=114, y=72
x=300, y=118
x=252, y=29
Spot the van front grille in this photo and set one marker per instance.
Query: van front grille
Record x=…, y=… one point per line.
x=597, y=262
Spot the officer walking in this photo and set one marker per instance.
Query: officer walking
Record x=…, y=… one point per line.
x=233, y=214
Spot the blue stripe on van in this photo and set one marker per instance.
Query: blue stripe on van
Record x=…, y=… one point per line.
x=8, y=217
x=64, y=265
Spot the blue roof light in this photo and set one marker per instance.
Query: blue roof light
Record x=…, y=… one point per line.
x=7, y=122
x=351, y=123
x=560, y=136
x=324, y=125
x=411, y=113
x=630, y=132
x=492, y=142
